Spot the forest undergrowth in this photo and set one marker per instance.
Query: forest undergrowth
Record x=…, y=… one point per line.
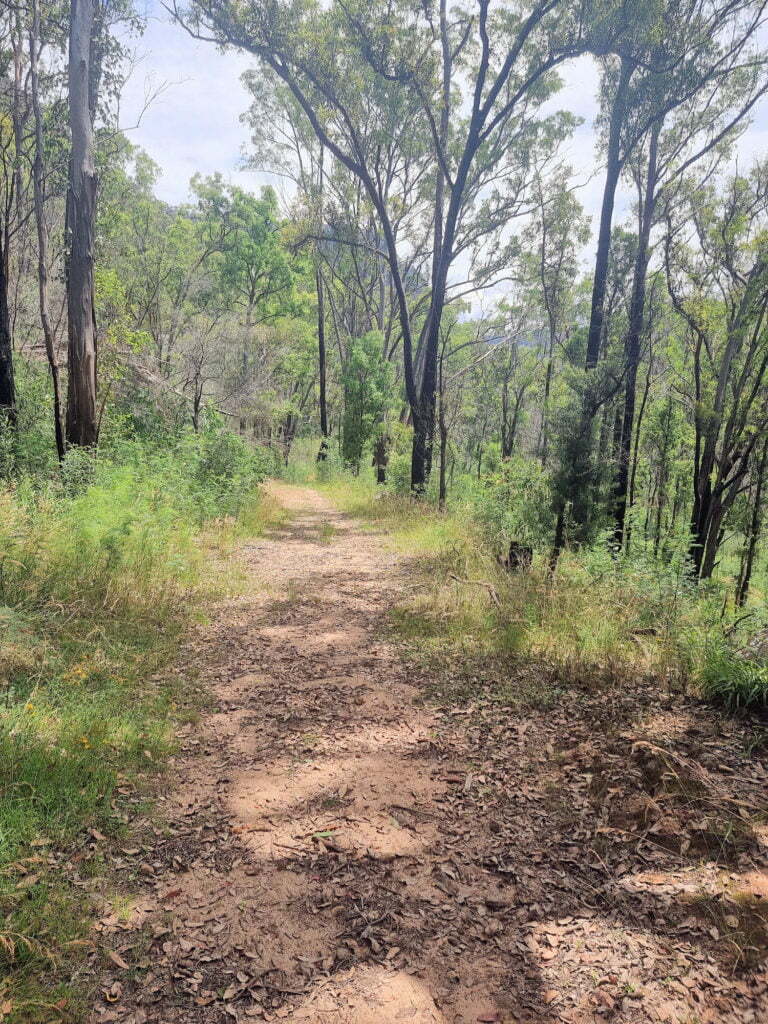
x=596, y=619
x=104, y=569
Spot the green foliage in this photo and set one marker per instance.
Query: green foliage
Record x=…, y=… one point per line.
x=255, y=268
x=31, y=451
x=513, y=504
x=367, y=382
x=725, y=677
x=601, y=619
x=101, y=572
x=226, y=471
x=399, y=468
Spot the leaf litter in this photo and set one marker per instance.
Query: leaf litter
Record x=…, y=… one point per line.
x=332, y=849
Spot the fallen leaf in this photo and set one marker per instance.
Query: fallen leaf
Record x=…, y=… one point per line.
x=117, y=959
x=27, y=881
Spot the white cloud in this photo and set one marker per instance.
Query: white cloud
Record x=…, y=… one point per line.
x=194, y=125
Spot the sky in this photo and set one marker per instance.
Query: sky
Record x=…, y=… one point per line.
x=194, y=124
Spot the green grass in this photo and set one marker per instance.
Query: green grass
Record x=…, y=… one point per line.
x=98, y=585
x=326, y=532
x=729, y=679
x=414, y=527
x=524, y=636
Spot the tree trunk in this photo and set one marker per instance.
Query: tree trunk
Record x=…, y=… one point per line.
x=82, y=426
x=38, y=181
x=634, y=334
x=559, y=540
x=197, y=399
x=755, y=528
x=636, y=450
x=444, y=229
x=443, y=427
x=544, y=432
x=322, y=454
x=506, y=440
x=711, y=536
x=602, y=256
x=8, y=413
x=580, y=488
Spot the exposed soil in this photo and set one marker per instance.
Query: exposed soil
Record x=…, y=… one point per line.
x=335, y=849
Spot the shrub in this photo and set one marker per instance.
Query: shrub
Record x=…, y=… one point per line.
x=726, y=677
x=367, y=382
x=399, y=467
x=226, y=472
x=513, y=504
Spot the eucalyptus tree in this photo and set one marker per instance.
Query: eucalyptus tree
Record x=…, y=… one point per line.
x=38, y=36
x=95, y=74
x=170, y=257
x=698, y=119
x=662, y=58
x=253, y=272
x=548, y=268
x=82, y=413
x=755, y=526
x=283, y=143
x=14, y=182
x=716, y=255
x=337, y=222
x=460, y=92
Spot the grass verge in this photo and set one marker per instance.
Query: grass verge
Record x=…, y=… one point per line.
x=524, y=636
x=98, y=586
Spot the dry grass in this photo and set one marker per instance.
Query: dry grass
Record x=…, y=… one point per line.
x=597, y=621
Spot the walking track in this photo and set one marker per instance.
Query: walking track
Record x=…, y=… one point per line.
x=333, y=850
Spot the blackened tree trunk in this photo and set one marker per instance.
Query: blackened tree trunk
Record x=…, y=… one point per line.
x=424, y=412
x=444, y=229
x=38, y=183
x=443, y=488
x=612, y=173
x=636, y=451
x=634, y=334
x=510, y=420
x=506, y=434
x=577, y=476
x=81, y=425
x=442, y=426
x=544, y=432
x=755, y=528
x=722, y=452
x=7, y=382
x=322, y=454
x=559, y=540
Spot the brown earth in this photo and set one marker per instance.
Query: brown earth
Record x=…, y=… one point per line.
x=333, y=849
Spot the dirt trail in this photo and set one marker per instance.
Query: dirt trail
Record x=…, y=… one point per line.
x=335, y=853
